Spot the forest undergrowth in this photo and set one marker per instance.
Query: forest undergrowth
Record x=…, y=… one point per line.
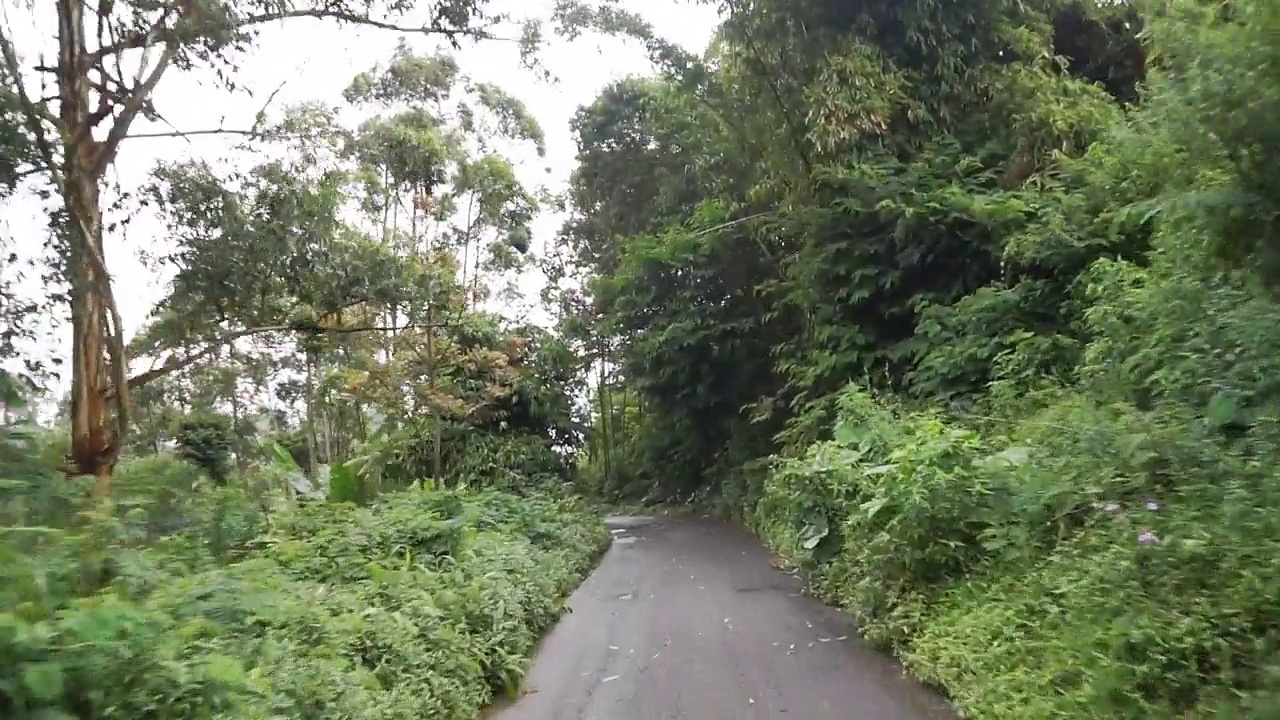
x=209, y=603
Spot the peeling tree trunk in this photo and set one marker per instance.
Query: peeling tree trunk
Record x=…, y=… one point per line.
x=96, y=343
x=76, y=165
x=93, y=447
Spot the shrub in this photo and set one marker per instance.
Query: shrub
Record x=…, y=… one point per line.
x=1093, y=561
x=887, y=510
x=205, y=441
x=422, y=605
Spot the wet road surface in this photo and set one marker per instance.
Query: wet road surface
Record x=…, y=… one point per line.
x=686, y=619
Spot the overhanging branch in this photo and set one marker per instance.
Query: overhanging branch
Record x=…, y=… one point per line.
x=182, y=362
x=142, y=39
x=354, y=19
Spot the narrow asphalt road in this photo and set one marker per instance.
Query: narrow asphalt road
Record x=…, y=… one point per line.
x=687, y=619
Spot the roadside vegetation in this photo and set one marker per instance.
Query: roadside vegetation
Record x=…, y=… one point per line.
x=425, y=603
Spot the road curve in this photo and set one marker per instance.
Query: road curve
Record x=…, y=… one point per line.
x=686, y=619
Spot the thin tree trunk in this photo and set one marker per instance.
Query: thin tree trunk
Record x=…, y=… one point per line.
x=475, y=278
x=468, y=302
x=313, y=445
x=436, y=434
x=605, y=441
x=386, y=205
x=237, y=444
x=326, y=423
x=622, y=414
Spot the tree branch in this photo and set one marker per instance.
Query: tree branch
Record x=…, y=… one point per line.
x=256, y=131
x=140, y=40
x=377, y=328
x=120, y=128
x=34, y=118
x=354, y=19
x=213, y=346
x=191, y=133
x=137, y=41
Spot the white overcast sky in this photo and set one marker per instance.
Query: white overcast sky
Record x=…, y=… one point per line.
x=314, y=61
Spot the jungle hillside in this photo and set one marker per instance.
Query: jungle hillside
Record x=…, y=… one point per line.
x=969, y=309
x=965, y=308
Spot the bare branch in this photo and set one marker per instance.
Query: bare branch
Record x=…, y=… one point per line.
x=254, y=132
x=180, y=362
x=260, y=117
x=29, y=172
x=137, y=41
x=192, y=133
x=132, y=106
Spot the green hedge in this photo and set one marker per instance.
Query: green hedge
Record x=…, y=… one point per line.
x=1089, y=562
x=422, y=606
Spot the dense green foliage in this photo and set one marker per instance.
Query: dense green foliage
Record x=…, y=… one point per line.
x=968, y=307
x=422, y=605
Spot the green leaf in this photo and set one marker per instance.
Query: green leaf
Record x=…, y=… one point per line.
x=344, y=485
x=43, y=680
x=872, y=507
x=1221, y=410
x=846, y=433
x=284, y=458
x=814, y=531
x=51, y=714
x=1016, y=456
x=224, y=669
